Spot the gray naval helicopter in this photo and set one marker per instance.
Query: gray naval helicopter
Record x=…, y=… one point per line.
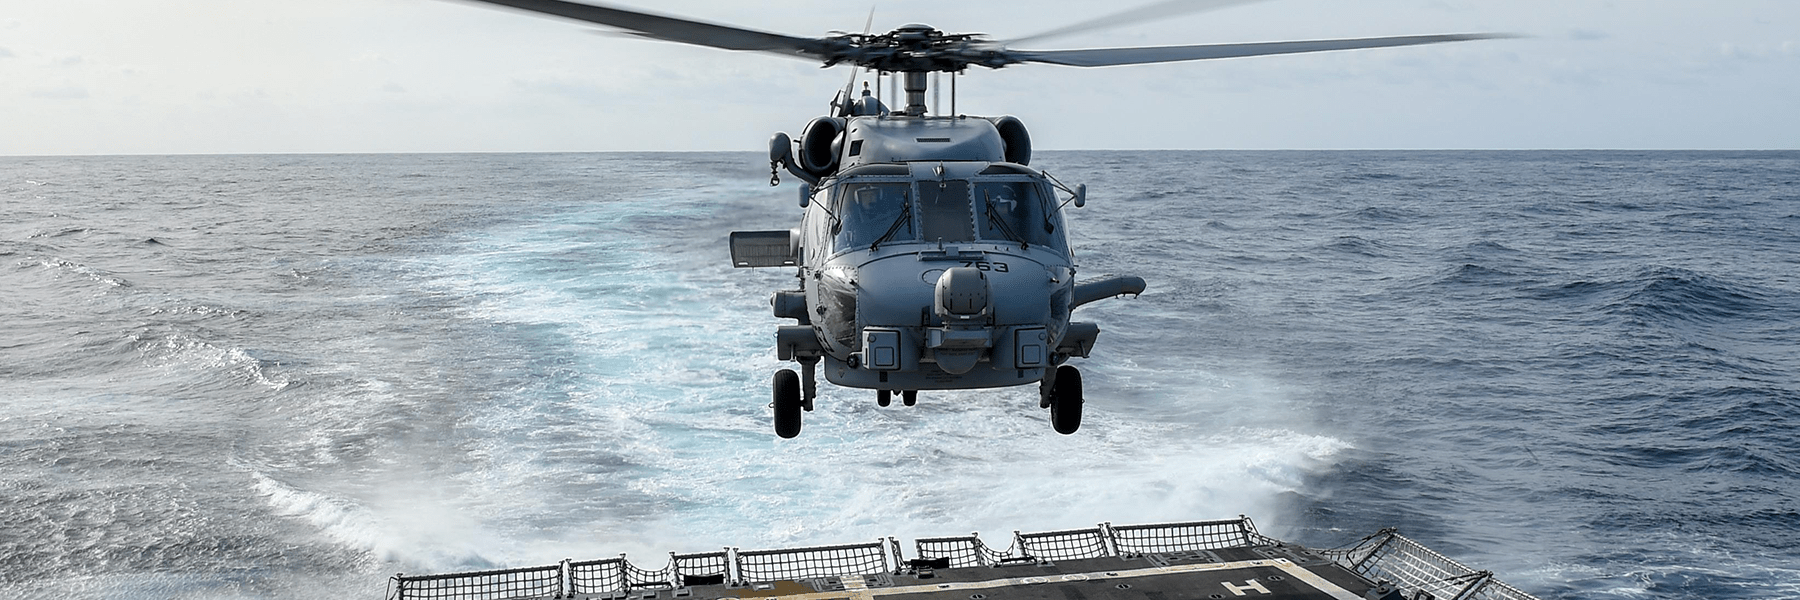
x=931, y=255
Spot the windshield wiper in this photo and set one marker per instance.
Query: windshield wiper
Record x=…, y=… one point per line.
x=905, y=216
x=993, y=217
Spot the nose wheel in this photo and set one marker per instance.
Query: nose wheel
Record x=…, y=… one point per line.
x=1061, y=393
x=883, y=398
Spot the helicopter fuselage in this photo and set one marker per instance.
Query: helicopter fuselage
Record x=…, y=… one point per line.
x=930, y=257
x=936, y=275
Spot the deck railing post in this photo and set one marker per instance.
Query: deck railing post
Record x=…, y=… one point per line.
x=1481, y=580
x=1357, y=567
x=894, y=548
x=981, y=550
x=1106, y=538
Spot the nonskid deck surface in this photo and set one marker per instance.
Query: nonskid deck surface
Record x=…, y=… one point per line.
x=1168, y=561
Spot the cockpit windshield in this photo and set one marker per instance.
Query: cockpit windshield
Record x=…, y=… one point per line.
x=866, y=212
x=871, y=214
x=944, y=208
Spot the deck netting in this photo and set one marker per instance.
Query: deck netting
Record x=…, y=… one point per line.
x=817, y=561
x=1181, y=537
x=602, y=576
x=1068, y=544
x=962, y=551
x=504, y=584
x=704, y=565
x=1391, y=557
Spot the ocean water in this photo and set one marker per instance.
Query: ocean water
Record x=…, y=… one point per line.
x=294, y=376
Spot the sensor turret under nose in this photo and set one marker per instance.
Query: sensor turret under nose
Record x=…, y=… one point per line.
x=962, y=296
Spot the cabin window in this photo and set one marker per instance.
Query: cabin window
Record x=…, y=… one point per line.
x=1013, y=211
x=944, y=211
x=867, y=211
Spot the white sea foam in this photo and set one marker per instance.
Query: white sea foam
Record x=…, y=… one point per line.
x=401, y=527
x=175, y=349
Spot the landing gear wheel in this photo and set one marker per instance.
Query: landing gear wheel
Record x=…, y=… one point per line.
x=787, y=403
x=1065, y=400
x=883, y=398
x=909, y=397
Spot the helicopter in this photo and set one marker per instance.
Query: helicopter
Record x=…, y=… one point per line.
x=930, y=254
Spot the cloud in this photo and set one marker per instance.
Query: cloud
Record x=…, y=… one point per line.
x=581, y=91
x=4, y=53
x=1756, y=52
x=1588, y=35
x=62, y=92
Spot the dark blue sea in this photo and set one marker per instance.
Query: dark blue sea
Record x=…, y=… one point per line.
x=294, y=376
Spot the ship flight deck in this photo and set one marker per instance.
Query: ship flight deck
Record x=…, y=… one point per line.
x=1203, y=560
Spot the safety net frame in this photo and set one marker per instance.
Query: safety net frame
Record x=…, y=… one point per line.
x=1182, y=537
x=1067, y=544
x=500, y=584
x=604, y=576
x=814, y=561
x=1390, y=557
x=964, y=551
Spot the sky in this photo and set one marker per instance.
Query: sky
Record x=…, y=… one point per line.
x=327, y=76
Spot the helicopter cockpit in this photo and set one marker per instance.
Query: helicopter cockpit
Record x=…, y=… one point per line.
x=1000, y=209
x=869, y=214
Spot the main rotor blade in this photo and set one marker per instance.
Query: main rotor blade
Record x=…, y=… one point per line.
x=675, y=29
x=1149, y=12
x=1106, y=57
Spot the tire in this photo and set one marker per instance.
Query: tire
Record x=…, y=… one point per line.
x=787, y=403
x=1065, y=400
x=883, y=398
x=909, y=397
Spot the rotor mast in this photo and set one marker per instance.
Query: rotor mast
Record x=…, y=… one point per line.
x=915, y=83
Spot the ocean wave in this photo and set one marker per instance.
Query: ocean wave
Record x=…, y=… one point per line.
x=1358, y=246
x=409, y=537
x=1381, y=214
x=1478, y=275
x=1667, y=293
x=1659, y=294
x=61, y=232
x=165, y=346
x=102, y=276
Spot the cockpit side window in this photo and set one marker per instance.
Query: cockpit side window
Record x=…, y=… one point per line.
x=867, y=211
x=1014, y=211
